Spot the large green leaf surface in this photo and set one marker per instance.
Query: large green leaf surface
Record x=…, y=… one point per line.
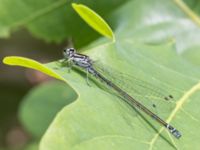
x=151, y=39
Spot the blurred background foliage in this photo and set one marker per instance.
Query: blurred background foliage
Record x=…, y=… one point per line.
x=40, y=30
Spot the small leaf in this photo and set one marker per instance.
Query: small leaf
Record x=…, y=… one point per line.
x=29, y=63
x=94, y=20
x=52, y=21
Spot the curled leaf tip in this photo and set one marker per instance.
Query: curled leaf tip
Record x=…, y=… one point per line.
x=94, y=20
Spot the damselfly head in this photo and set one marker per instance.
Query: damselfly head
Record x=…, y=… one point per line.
x=69, y=52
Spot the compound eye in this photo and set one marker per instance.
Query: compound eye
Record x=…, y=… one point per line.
x=64, y=50
x=72, y=50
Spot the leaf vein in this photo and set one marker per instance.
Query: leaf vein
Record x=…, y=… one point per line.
x=179, y=105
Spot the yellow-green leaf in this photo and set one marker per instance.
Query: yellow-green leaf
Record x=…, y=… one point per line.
x=94, y=20
x=29, y=63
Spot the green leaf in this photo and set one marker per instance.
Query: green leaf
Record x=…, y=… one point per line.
x=25, y=62
x=152, y=41
x=94, y=20
x=53, y=94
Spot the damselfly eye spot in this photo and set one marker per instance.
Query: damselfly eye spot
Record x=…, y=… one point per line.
x=71, y=50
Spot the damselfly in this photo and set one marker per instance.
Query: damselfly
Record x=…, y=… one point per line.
x=84, y=62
